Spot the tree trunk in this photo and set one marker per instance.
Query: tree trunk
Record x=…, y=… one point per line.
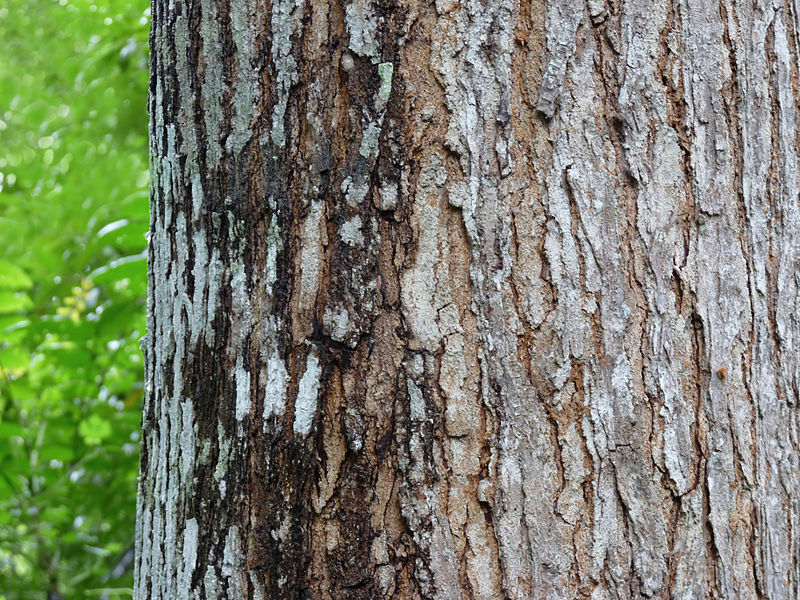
x=482, y=299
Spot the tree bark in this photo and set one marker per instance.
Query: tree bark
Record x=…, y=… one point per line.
x=482, y=299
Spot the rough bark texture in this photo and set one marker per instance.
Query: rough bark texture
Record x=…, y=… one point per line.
x=481, y=299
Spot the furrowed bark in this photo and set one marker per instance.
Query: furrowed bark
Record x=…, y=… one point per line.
x=472, y=300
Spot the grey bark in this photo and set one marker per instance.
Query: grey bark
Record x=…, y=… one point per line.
x=481, y=299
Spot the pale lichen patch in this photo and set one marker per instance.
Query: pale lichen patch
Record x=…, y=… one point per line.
x=336, y=323
x=462, y=415
x=259, y=593
x=210, y=583
x=621, y=384
x=187, y=439
x=214, y=275
x=223, y=458
x=273, y=245
x=385, y=72
x=212, y=83
x=369, y=142
x=275, y=393
x=386, y=198
x=347, y=61
x=354, y=189
x=306, y=404
x=286, y=19
x=232, y=564
x=416, y=402
x=418, y=285
x=362, y=25
x=350, y=232
x=242, y=376
x=189, y=554
x=243, y=28
x=310, y=266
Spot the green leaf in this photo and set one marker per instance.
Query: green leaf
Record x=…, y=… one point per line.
x=69, y=356
x=64, y=454
x=13, y=278
x=12, y=302
x=13, y=360
x=94, y=430
x=55, y=514
x=14, y=329
x=122, y=268
x=7, y=430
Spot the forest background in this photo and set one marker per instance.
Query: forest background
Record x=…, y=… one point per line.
x=73, y=219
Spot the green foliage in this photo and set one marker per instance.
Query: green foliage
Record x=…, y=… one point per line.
x=73, y=217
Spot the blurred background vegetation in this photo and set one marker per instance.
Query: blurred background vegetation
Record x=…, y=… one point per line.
x=73, y=218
